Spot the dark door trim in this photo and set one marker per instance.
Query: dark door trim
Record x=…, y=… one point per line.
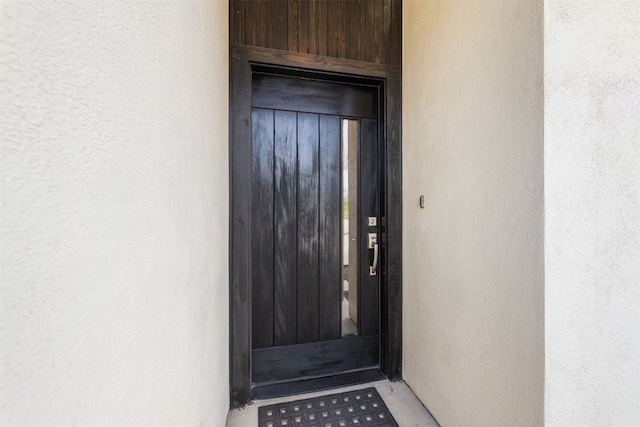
x=244, y=61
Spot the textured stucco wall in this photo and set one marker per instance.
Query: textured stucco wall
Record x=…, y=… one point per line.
x=114, y=232
x=473, y=258
x=592, y=213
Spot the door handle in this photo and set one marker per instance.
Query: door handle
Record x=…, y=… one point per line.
x=373, y=244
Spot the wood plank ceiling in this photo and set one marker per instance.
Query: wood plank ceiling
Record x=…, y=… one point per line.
x=362, y=30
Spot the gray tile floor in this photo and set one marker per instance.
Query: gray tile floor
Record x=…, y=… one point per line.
x=403, y=404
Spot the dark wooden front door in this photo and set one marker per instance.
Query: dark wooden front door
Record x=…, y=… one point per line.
x=306, y=218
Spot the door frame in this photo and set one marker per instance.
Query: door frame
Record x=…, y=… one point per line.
x=244, y=61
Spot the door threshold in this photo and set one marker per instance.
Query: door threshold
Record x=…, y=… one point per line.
x=270, y=391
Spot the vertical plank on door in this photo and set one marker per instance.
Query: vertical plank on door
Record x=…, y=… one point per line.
x=369, y=206
x=285, y=218
x=330, y=282
x=307, y=291
x=262, y=227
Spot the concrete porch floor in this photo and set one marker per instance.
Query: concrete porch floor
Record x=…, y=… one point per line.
x=403, y=404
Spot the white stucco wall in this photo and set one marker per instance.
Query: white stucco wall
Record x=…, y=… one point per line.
x=114, y=214
x=473, y=257
x=592, y=213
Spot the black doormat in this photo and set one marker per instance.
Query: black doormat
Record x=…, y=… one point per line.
x=353, y=408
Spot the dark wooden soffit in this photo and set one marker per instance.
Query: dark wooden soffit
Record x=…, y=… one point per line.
x=362, y=30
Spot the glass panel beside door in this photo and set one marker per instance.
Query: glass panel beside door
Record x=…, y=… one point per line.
x=359, y=252
x=349, y=297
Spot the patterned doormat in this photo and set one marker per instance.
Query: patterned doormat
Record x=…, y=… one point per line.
x=352, y=408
